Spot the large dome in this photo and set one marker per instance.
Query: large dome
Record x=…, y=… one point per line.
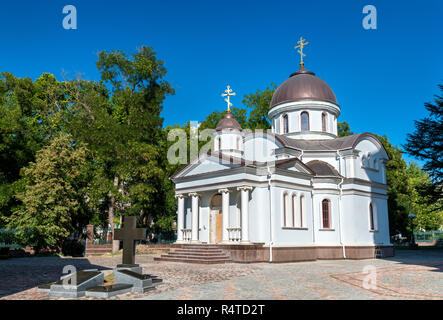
x=303, y=85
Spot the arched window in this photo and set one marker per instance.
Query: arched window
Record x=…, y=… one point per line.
x=323, y=122
x=293, y=210
x=304, y=121
x=285, y=124
x=326, y=208
x=285, y=208
x=371, y=217
x=301, y=211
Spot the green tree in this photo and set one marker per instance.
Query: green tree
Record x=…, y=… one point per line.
x=343, y=129
x=30, y=115
x=54, y=197
x=259, y=103
x=426, y=143
x=119, y=119
x=428, y=217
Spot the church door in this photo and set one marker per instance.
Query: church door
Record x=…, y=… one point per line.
x=218, y=227
x=216, y=220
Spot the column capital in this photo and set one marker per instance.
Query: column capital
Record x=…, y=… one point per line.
x=244, y=188
x=224, y=190
x=180, y=196
x=193, y=194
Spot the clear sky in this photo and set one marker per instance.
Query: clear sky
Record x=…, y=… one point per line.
x=381, y=77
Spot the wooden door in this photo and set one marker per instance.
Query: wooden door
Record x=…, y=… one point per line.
x=218, y=227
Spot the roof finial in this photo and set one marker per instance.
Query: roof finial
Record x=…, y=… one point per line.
x=228, y=94
x=301, y=44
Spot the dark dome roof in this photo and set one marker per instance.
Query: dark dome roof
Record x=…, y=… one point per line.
x=228, y=122
x=322, y=168
x=303, y=85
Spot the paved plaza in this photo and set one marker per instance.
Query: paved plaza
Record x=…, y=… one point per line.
x=408, y=275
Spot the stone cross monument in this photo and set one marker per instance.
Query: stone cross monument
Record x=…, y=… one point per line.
x=129, y=234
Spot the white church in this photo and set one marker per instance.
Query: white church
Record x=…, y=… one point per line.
x=295, y=193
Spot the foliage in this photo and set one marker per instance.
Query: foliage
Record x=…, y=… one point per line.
x=54, y=196
x=428, y=216
x=120, y=120
x=404, y=183
x=426, y=143
x=30, y=115
x=259, y=103
x=343, y=129
x=73, y=248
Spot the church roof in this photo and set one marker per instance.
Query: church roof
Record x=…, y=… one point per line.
x=322, y=168
x=228, y=122
x=322, y=145
x=303, y=85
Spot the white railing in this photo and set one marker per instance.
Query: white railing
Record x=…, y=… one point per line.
x=234, y=234
x=187, y=235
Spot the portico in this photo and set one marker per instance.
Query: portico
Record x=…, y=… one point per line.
x=208, y=217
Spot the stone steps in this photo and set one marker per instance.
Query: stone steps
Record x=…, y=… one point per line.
x=195, y=260
x=204, y=254
x=98, y=249
x=196, y=256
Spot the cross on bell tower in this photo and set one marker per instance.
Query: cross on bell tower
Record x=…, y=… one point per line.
x=301, y=45
x=228, y=94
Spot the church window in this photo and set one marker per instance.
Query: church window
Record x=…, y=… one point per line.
x=304, y=121
x=301, y=211
x=285, y=209
x=293, y=209
x=323, y=122
x=326, y=213
x=285, y=124
x=371, y=217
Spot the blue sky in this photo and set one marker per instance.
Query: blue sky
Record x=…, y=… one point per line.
x=381, y=77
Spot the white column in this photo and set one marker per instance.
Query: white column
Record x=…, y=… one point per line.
x=194, y=233
x=244, y=213
x=225, y=213
x=180, y=217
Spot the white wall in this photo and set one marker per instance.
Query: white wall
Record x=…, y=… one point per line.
x=356, y=220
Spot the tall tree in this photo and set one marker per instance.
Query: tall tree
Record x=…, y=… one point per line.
x=54, y=196
x=426, y=143
x=30, y=115
x=124, y=130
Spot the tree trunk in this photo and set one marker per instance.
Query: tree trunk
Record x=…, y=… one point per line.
x=115, y=243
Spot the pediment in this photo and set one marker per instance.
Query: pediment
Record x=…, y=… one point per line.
x=207, y=163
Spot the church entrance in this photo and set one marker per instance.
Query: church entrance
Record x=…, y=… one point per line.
x=216, y=220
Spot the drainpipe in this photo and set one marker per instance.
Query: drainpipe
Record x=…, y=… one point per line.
x=312, y=210
x=271, y=238
x=340, y=218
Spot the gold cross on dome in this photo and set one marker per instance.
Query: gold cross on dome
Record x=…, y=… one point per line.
x=228, y=94
x=301, y=44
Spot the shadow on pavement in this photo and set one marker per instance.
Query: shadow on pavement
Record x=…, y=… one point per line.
x=19, y=274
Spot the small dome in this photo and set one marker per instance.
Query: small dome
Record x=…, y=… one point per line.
x=303, y=85
x=228, y=122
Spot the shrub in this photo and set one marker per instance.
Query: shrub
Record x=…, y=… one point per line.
x=73, y=248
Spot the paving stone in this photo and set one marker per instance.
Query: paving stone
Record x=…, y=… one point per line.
x=408, y=275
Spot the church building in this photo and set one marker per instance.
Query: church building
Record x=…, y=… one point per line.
x=297, y=192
